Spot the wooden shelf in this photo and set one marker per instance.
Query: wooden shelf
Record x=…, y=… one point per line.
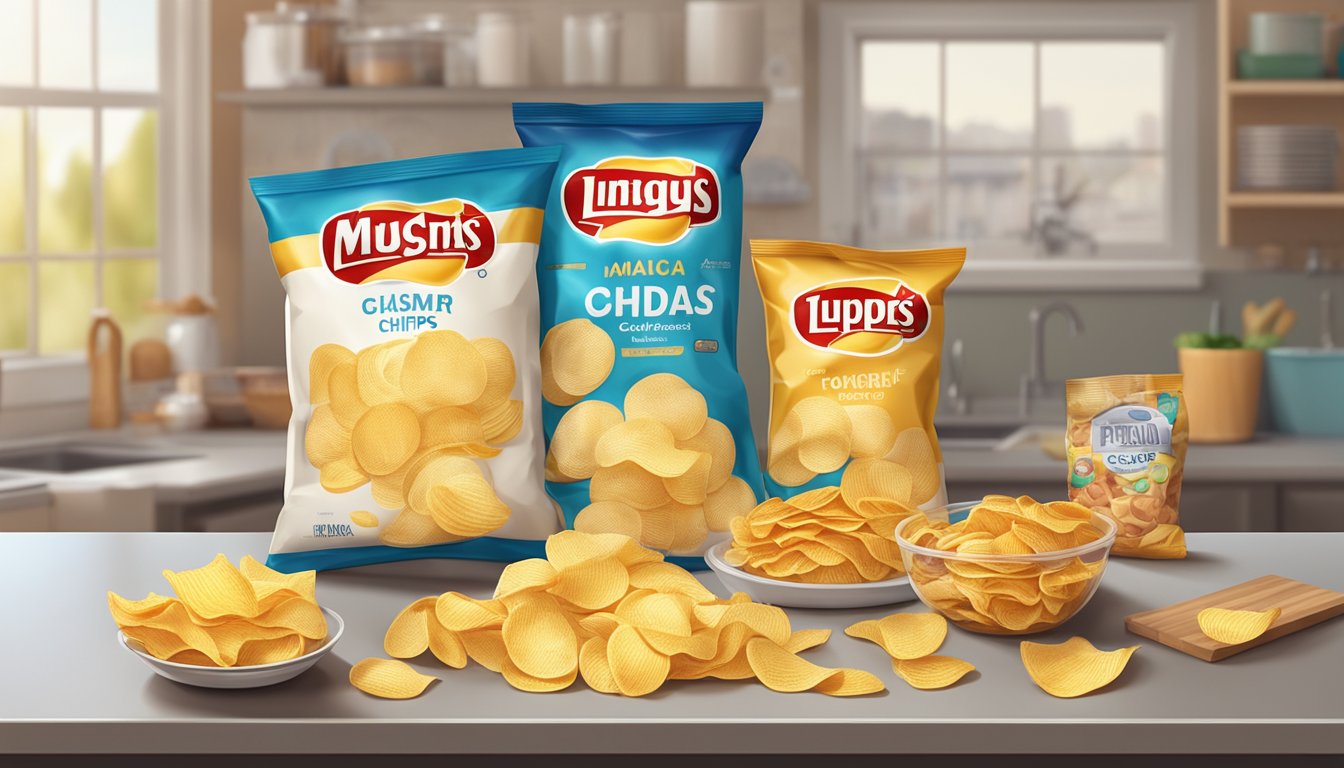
x=1285, y=199
x=1286, y=87
x=431, y=96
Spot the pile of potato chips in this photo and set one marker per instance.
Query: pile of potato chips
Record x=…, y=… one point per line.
x=1074, y=667
x=912, y=640
x=818, y=435
x=225, y=616
x=409, y=416
x=1144, y=500
x=984, y=584
x=602, y=607
x=661, y=472
x=823, y=536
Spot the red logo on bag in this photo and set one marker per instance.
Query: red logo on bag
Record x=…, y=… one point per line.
x=651, y=200
x=429, y=243
x=866, y=318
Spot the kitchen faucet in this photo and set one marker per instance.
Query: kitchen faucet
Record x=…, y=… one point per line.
x=1327, y=319
x=1034, y=383
x=956, y=394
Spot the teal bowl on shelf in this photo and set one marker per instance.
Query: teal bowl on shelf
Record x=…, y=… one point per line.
x=1306, y=390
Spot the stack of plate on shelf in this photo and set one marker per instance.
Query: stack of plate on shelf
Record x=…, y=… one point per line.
x=1286, y=157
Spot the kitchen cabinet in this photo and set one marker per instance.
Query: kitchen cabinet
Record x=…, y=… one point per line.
x=239, y=514
x=1312, y=507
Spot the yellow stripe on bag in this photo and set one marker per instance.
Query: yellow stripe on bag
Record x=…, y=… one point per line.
x=521, y=225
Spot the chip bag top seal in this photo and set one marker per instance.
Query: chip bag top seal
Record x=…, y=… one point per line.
x=855, y=341
x=412, y=339
x=1127, y=438
x=645, y=418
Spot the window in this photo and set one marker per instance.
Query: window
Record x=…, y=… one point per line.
x=1040, y=135
x=81, y=188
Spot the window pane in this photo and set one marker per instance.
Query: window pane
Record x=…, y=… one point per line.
x=988, y=198
x=899, y=94
x=13, y=305
x=989, y=95
x=16, y=43
x=65, y=43
x=130, y=178
x=64, y=301
x=128, y=284
x=128, y=45
x=65, y=180
x=901, y=199
x=1102, y=95
x=12, y=196
x=1113, y=199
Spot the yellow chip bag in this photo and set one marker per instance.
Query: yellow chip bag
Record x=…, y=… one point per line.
x=855, y=340
x=1127, y=437
x=414, y=360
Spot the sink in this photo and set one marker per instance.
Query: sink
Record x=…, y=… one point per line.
x=985, y=436
x=72, y=457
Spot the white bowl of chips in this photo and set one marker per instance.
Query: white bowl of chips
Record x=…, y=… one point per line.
x=253, y=676
x=792, y=594
x=1006, y=566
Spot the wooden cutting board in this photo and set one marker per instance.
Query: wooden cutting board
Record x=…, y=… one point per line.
x=1302, y=604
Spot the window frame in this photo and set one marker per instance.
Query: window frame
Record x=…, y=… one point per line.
x=845, y=26
x=182, y=251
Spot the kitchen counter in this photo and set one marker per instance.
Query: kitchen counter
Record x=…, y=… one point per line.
x=1271, y=458
x=69, y=687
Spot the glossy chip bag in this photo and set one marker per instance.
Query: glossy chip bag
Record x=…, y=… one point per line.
x=645, y=413
x=855, y=339
x=1127, y=439
x=412, y=343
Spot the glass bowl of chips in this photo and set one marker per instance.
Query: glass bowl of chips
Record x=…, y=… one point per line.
x=1004, y=565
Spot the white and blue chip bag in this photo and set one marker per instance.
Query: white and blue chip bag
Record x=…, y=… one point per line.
x=645, y=412
x=412, y=338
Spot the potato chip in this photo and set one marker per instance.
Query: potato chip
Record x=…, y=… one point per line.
x=666, y=397
x=576, y=357
x=575, y=439
x=872, y=430
x=715, y=439
x=539, y=638
x=609, y=517
x=826, y=437
x=502, y=422
x=385, y=437
x=913, y=450
x=500, y=371
x=270, y=651
x=214, y=590
x=931, y=672
x=903, y=635
x=875, y=478
x=636, y=668
x=1074, y=667
x=783, y=671
x=443, y=368
x=325, y=440
x=1236, y=627
x=388, y=679
x=646, y=443
x=342, y=476
x=364, y=518
x=412, y=529
x=629, y=484
x=447, y=646
x=734, y=499
x=378, y=371
x=343, y=388
x=408, y=636
x=466, y=505
x=323, y=360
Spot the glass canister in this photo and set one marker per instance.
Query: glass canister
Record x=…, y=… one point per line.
x=503, y=49
x=392, y=56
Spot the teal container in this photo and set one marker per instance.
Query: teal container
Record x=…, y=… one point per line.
x=1279, y=66
x=1306, y=390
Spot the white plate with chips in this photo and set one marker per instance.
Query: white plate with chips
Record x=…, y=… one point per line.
x=790, y=594
x=255, y=676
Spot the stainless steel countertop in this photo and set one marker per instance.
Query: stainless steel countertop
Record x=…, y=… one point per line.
x=69, y=687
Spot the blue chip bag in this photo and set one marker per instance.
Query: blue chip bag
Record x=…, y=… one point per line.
x=412, y=338
x=645, y=412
